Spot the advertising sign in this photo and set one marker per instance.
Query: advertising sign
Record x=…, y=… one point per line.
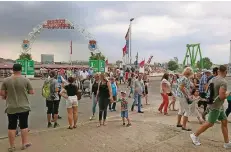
x=94, y=64
x=27, y=67
x=97, y=65
x=57, y=24
x=30, y=67
x=24, y=66
x=101, y=66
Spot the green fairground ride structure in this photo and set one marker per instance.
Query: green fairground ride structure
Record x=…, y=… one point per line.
x=192, y=52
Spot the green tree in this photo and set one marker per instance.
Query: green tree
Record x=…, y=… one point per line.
x=25, y=56
x=97, y=56
x=206, y=62
x=172, y=65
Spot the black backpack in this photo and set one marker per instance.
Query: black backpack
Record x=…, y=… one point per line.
x=210, y=93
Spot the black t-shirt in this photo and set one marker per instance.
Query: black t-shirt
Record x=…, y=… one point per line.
x=103, y=90
x=95, y=88
x=71, y=89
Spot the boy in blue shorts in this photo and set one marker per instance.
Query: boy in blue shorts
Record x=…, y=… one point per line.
x=124, y=108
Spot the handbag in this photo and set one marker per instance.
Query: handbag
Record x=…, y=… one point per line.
x=170, y=94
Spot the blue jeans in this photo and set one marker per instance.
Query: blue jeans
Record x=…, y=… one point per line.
x=137, y=99
x=94, y=103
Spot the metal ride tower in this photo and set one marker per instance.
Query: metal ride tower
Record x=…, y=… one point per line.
x=190, y=59
x=62, y=24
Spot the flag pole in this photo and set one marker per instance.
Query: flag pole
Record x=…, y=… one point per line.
x=130, y=39
x=71, y=53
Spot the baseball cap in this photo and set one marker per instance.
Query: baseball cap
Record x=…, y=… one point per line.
x=17, y=67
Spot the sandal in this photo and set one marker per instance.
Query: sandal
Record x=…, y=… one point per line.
x=26, y=146
x=70, y=128
x=75, y=126
x=178, y=125
x=99, y=125
x=186, y=129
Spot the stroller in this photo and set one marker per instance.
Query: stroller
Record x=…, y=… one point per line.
x=86, y=87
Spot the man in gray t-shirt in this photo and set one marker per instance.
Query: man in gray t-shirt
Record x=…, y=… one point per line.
x=52, y=102
x=15, y=90
x=216, y=111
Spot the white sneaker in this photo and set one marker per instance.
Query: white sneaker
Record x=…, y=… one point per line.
x=92, y=117
x=227, y=145
x=195, y=139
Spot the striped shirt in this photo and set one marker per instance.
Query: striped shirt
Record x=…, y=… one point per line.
x=203, y=81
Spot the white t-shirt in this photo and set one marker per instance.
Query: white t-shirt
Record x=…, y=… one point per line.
x=168, y=85
x=84, y=74
x=121, y=73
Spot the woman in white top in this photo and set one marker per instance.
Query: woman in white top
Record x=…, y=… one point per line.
x=183, y=93
x=165, y=89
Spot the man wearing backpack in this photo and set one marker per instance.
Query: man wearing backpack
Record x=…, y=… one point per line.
x=50, y=93
x=202, y=87
x=208, y=90
x=61, y=82
x=216, y=111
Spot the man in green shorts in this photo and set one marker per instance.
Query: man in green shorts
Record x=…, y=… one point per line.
x=216, y=111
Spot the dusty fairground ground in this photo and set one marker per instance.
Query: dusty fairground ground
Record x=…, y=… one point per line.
x=150, y=132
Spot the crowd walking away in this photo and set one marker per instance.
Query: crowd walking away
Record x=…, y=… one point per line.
x=200, y=95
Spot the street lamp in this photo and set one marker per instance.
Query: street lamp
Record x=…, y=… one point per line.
x=130, y=35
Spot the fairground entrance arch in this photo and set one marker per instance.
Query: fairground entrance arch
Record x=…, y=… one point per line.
x=62, y=24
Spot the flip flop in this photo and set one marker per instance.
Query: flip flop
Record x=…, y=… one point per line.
x=74, y=127
x=26, y=146
x=99, y=125
x=70, y=128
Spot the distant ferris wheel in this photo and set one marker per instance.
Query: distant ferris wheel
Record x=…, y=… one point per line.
x=62, y=24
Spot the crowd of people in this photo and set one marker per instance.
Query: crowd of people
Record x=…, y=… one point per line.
x=104, y=91
x=207, y=89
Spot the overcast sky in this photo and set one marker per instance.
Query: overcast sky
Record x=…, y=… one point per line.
x=161, y=29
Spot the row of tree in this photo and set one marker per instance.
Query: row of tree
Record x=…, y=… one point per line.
x=173, y=65
x=94, y=56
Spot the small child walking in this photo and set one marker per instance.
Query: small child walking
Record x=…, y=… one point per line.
x=194, y=109
x=124, y=108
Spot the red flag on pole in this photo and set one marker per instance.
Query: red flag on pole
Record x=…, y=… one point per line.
x=71, y=48
x=142, y=63
x=124, y=50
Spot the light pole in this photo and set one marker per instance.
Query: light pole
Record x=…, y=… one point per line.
x=130, y=39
